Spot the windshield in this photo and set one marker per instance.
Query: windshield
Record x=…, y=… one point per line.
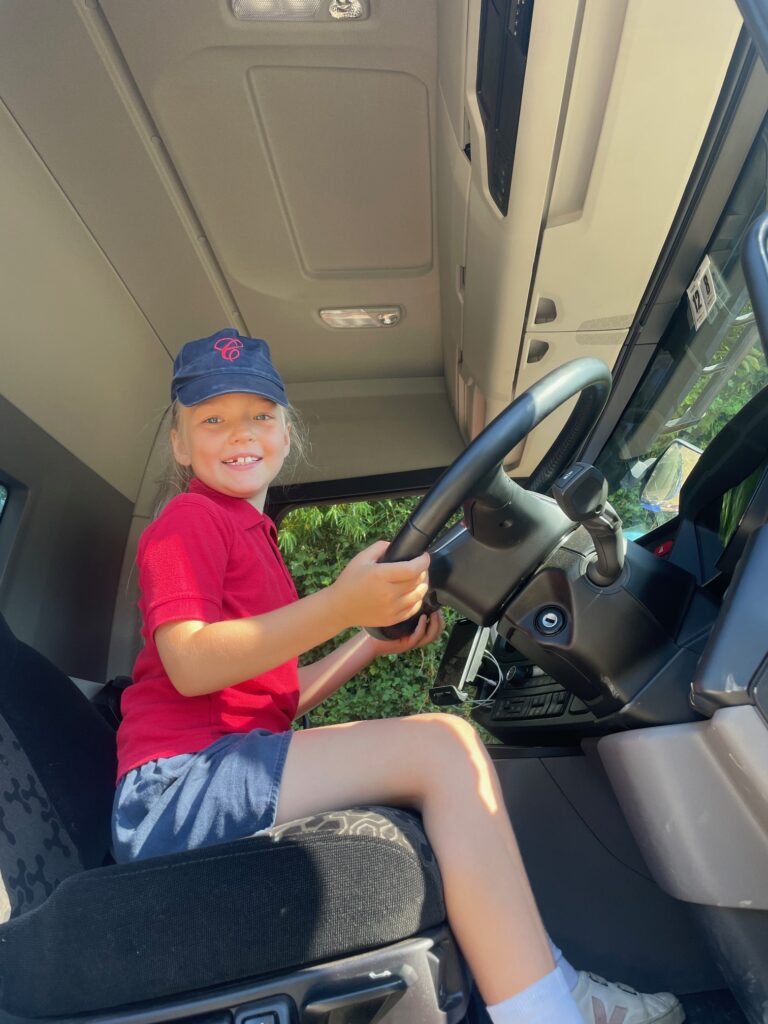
x=709, y=364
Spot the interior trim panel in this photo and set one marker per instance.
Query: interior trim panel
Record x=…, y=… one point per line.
x=696, y=799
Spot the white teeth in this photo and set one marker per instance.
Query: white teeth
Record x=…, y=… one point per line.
x=244, y=461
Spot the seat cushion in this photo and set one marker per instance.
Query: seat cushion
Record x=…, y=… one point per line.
x=304, y=892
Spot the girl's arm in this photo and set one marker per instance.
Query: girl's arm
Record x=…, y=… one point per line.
x=322, y=678
x=202, y=657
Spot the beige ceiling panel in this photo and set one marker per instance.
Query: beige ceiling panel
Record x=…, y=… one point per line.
x=619, y=183
x=206, y=111
x=399, y=34
x=69, y=322
x=349, y=150
x=364, y=428
x=76, y=121
x=255, y=116
x=305, y=349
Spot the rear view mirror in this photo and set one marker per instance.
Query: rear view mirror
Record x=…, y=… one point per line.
x=673, y=467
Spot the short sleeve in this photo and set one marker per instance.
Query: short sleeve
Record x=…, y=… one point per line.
x=182, y=559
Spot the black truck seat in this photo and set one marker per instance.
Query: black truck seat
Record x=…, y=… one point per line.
x=318, y=918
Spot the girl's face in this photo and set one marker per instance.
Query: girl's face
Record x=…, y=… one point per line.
x=235, y=444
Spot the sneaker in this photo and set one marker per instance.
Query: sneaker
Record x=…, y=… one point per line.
x=606, y=1002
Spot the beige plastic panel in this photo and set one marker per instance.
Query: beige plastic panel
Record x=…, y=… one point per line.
x=363, y=428
x=451, y=63
x=453, y=194
x=588, y=166
x=696, y=799
x=251, y=114
x=339, y=188
x=562, y=347
x=453, y=183
x=78, y=357
x=56, y=86
x=501, y=250
x=619, y=183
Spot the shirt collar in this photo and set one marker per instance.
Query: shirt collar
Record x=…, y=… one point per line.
x=238, y=508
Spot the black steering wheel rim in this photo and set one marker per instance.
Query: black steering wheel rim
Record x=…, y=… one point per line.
x=479, y=463
x=588, y=377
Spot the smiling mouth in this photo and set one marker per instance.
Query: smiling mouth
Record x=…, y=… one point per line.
x=245, y=460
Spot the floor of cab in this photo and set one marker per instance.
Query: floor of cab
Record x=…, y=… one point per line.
x=712, y=1008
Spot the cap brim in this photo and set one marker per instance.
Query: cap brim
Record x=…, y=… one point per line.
x=214, y=384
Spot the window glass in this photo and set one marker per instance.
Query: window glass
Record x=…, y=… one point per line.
x=698, y=379
x=3, y=499
x=735, y=502
x=316, y=543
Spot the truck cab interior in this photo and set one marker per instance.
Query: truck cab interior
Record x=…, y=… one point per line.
x=509, y=255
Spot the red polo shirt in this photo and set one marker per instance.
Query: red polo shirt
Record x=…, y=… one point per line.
x=212, y=558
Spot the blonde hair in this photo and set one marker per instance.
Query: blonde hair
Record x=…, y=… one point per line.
x=174, y=478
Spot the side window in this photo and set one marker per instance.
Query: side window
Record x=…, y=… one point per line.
x=316, y=543
x=708, y=365
x=3, y=499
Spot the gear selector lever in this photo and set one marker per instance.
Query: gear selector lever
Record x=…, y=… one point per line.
x=582, y=492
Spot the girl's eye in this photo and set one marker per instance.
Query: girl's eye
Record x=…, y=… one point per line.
x=262, y=416
x=212, y=419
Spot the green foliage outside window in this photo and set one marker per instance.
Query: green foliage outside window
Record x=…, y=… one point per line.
x=317, y=542
x=747, y=378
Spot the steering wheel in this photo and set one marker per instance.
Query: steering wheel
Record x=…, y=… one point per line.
x=498, y=511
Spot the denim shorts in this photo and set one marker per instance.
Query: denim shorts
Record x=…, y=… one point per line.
x=227, y=791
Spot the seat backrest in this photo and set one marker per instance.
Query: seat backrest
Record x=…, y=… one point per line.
x=57, y=777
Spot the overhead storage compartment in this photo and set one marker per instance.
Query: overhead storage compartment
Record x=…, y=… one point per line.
x=616, y=103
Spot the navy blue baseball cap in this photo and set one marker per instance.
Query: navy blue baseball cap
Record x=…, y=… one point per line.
x=224, y=363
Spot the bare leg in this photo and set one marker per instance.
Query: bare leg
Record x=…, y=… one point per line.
x=437, y=765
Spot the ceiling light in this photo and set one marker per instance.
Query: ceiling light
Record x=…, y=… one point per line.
x=368, y=316
x=275, y=10
x=346, y=9
x=298, y=10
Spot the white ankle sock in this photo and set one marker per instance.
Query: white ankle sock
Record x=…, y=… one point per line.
x=569, y=973
x=546, y=1001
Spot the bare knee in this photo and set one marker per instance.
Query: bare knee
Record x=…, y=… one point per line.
x=458, y=765
x=450, y=744
x=450, y=727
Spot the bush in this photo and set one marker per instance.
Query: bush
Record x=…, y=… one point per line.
x=317, y=542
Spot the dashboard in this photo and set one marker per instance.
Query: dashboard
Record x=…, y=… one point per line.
x=568, y=659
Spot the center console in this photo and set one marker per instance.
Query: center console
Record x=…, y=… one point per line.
x=510, y=697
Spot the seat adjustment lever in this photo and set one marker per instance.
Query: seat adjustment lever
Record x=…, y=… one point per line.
x=363, y=1003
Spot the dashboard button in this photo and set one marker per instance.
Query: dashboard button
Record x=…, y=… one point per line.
x=557, y=704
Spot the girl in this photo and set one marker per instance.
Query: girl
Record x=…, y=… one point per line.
x=217, y=687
